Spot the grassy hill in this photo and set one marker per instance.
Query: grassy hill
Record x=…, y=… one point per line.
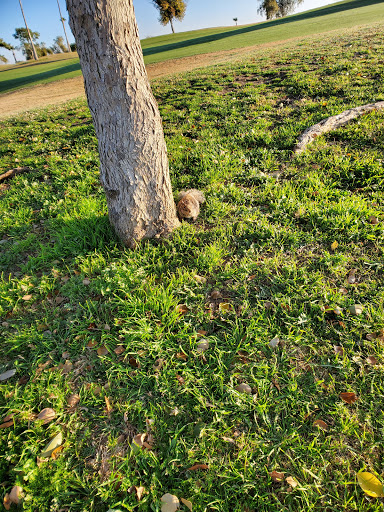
x=342, y=15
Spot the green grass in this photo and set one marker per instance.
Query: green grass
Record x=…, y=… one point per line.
x=262, y=244
x=341, y=15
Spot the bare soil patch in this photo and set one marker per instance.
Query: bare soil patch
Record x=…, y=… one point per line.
x=30, y=98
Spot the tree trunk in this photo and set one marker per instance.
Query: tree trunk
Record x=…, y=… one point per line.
x=133, y=155
x=171, y=22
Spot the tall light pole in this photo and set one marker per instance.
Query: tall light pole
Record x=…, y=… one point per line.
x=62, y=21
x=29, y=34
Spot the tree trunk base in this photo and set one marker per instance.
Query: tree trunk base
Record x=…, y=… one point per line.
x=332, y=123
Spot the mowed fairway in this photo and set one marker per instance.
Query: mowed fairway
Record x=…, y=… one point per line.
x=237, y=365
x=347, y=14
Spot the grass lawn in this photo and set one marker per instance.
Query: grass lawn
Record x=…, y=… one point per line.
x=346, y=14
x=285, y=247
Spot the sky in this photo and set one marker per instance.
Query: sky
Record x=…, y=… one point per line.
x=43, y=17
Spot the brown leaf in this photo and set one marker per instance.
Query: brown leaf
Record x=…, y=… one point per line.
x=180, y=379
x=372, y=360
x=46, y=415
x=66, y=367
x=352, y=276
x=321, y=424
x=373, y=220
x=139, y=492
x=159, y=364
x=201, y=332
x=119, y=349
x=7, y=502
x=276, y=384
x=348, y=397
x=27, y=297
x=182, y=309
x=181, y=355
x=216, y=295
x=338, y=350
x=91, y=343
x=6, y=424
x=198, y=466
x=134, y=362
x=108, y=405
x=244, y=388
x=56, y=452
x=102, y=351
x=276, y=476
x=73, y=400
x=292, y=482
x=186, y=503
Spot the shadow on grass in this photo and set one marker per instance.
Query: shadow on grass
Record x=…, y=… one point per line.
x=331, y=9
x=15, y=83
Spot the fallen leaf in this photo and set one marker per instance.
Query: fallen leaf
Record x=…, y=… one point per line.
x=182, y=309
x=348, y=397
x=291, y=481
x=372, y=360
x=180, y=379
x=102, y=351
x=202, y=346
x=73, y=400
x=225, y=307
x=7, y=502
x=171, y=503
x=181, y=355
x=27, y=297
x=216, y=295
x=46, y=415
x=373, y=220
x=134, y=362
x=244, y=388
x=56, y=452
x=7, y=375
x=65, y=355
x=228, y=439
x=91, y=343
x=276, y=476
x=370, y=484
x=201, y=332
x=356, y=309
x=338, y=350
x=186, y=503
x=52, y=445
x=86, y=282
x=352, y=276
x=108, y=405
x=274, y=342
x=15, y=494
x=139, y=492
x=66, y=367
x=138, y=442
x=334, y=245
x=200, y=279
x=276, y=384
x=198, y=466
x=119, y=349
x=159, y=364
x=321, y=424
x=6, y=424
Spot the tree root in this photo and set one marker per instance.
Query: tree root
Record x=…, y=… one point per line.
x=331, y=123
x=12, y=172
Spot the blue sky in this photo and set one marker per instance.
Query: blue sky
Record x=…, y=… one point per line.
x=43, y=16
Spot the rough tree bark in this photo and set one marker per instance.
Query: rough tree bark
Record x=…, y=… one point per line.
x=133, y=156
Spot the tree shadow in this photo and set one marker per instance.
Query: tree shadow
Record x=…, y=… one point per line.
x=331, y=9
x=15, y=83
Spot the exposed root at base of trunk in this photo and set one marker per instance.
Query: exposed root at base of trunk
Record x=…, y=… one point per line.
x=13, y=172
x=332, y=123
